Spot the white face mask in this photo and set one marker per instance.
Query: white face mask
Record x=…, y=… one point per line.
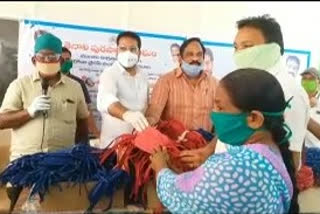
x=48, y=69
x=127, y=59
x=262, y=56
x=191, y=70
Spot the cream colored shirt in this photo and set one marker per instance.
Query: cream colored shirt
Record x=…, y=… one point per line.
x=67, y=105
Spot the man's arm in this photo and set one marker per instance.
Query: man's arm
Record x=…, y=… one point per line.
x=92, y=125
x=14, y=119
x=296, y=118
x=107, y=101
x=91, y=121
x=158, y=101
x=12, y=114
x=82, y=132
x=314, y=128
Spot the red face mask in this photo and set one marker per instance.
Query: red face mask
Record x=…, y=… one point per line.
x=150, y=139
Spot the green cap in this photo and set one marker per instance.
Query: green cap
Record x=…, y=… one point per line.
x=48, y=41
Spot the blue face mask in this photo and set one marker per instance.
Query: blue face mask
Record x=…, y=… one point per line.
x=233, y=129
x=191, y=70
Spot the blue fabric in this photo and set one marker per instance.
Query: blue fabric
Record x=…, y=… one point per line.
x=78, y=165
x=238, y=181
x=313, y=160
x=208, y=136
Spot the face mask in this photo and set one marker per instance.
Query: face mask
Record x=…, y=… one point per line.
x=260, y=56
x=66, y=67
x=233, y=129
x=191, y=70
x=48, y=69
x=310, y=86
x=127, y=59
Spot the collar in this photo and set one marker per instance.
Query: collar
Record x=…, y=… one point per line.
x=36, y=77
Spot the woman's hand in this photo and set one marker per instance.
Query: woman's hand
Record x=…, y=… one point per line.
x=159, y=159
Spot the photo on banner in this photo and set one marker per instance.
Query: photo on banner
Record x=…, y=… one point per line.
x=296, y=62
x=218, y=58
x=94, y=49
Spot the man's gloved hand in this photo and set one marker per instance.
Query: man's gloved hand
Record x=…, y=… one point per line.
x=136, y=119
x=39, y=104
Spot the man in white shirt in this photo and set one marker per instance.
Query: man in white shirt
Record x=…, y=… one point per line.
x=123, y=92
x=310, y=82
x=259, y=44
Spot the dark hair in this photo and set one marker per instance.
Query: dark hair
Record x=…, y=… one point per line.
x=129, y=34
x=209, y=53
x=254, y=89
x=188, y=41
x=174, y=45
x=64, y=49
x=294, y=58
x=269, y=27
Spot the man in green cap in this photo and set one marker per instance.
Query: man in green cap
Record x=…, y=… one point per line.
x=46, y=110
x=310, y=82
x=65, y=69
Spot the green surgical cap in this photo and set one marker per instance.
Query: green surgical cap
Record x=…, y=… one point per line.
x=48, y=41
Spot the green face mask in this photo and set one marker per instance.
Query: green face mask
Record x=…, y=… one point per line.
x=260, y=56
x=310, y=86
x=233, y=129
x=66, y=67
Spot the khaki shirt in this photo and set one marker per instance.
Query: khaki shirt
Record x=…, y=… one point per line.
x=67, y=105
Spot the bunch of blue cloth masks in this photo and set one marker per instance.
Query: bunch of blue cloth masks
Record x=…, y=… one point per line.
x=77, y=165
x=313, y=161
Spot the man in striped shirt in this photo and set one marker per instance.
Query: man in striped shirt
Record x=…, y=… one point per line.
x=186, y=93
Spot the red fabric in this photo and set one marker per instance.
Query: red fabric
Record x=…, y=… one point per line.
x=305, y=178
x=136, y=148
x=150, y=139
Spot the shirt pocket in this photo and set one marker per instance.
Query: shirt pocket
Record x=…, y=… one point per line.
x=68, y=110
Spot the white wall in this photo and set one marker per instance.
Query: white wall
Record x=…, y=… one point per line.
x=210, y=20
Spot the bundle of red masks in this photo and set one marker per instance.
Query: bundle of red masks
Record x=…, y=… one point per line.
x=135, y=149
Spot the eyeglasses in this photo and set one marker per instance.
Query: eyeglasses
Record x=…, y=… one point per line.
x=48, y=58
x=131, y=49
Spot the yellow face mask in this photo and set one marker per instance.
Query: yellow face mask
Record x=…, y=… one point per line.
x=48, y=69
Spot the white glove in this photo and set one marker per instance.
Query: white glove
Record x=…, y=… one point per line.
x=136, y=119
x=39, y=104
